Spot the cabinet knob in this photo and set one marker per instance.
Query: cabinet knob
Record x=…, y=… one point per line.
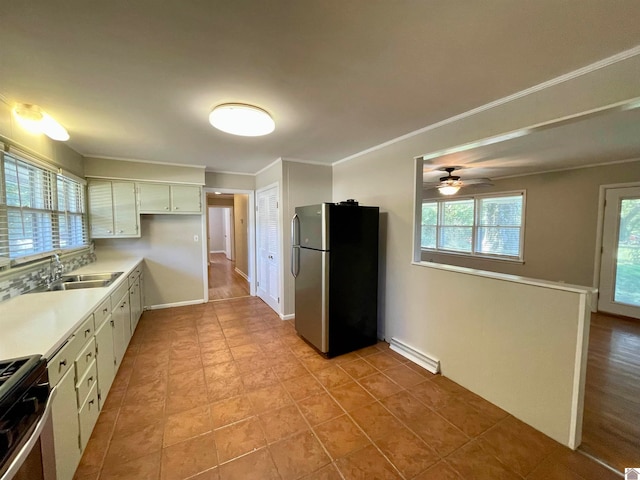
x=63, y=363
x=105, y=310
x=166, y=208
x=87, y=332
x=109, y=231
x=89, y=380
x=89, y=355
x=121, y=231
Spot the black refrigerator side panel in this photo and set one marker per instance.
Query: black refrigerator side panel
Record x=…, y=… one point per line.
x=353, y=278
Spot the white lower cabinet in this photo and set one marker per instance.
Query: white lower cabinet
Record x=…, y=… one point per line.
x=84, y=369
x=65, y=427
x=105, y=359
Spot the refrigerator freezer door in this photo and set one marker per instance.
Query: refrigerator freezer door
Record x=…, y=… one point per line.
x=313, y=222
x=312, y=298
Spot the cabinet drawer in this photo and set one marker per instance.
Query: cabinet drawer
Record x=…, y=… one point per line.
x=102, y=313
x=88, y=415
x=133, y=276
x=86, y=356
x=87, y=330
x=62, y=361
x=120, y=292
x=86, y=382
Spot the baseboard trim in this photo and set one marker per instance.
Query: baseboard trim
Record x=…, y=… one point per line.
x=291, y=316
x=175, y=304
x=217, y=251
x=242, y=274
x=415, y=356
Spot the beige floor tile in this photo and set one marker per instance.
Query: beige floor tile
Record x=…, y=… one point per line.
x=341, y=436
x=188, y=458
x=239, y=438
x=298, y=455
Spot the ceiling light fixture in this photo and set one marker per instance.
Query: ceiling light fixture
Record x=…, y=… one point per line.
x=241, y=119
x=33, y=119
x=450, y=187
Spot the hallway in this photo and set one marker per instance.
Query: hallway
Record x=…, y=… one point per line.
x=224, y=281
x=611, y=427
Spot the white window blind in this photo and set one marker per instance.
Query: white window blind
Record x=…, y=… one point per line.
x=487, y=226
x=41, y=211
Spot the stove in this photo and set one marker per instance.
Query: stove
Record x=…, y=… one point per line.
x=24, y=414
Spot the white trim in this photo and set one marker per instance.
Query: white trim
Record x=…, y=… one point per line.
x=217, y=251
x=275, y=162
x=241, y=273
x=175, y=304
x=579, y=375
x=290, y=316
x=153, y=162
x=229, y=173
x=142, y=180
x=599, y=231
x=619, y=57
x=308, y=162
x=567, y=287
x=415, y=355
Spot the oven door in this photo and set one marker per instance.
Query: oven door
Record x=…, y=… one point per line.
x=35, y=460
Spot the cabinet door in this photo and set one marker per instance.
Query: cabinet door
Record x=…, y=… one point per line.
x=105, y=359
x=154, y=198
x=186, y=199
x=122, y=329
x=134, y=304
x=100, y=209
x=125, y=214
x=66, y=429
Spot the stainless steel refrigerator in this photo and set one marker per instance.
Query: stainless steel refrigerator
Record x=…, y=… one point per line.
x=334, y=259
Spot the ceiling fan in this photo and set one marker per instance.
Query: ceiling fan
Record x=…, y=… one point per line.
x=450, y=184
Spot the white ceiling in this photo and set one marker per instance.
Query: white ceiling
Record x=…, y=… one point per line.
x=137, y=79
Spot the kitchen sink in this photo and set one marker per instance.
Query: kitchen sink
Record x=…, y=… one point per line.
x=110, y=277
x=77, y=282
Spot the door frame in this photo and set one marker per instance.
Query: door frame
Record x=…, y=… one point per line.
x=251, y=247
x=280, y=242
x=599, y=236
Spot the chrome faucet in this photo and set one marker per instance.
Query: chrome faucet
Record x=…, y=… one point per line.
x=55, y=270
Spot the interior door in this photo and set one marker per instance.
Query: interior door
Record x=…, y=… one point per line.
x=620, y=264
x=268, y=247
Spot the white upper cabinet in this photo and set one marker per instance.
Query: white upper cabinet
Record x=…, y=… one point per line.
x=161, y=198
x=112, y=209
x=154, y=198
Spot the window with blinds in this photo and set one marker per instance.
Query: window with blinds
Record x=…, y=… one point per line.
x=41, y=211
x=482, y=225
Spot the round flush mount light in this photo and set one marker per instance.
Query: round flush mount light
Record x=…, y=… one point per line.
x=33, y=119
x=241, y=119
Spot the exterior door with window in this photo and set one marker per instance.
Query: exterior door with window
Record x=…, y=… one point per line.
x=619, y=289
x=268, y=247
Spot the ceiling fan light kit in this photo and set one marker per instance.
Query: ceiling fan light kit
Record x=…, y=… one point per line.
x=33, y=119
x=242, y=119
x=450, y=184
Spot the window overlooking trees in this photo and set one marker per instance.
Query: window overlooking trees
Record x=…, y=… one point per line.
x=486, y=226
x=41, y=211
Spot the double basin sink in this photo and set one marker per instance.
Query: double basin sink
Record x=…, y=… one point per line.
x=76, y=282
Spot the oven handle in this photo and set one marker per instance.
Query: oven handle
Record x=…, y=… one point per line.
x=25, y=451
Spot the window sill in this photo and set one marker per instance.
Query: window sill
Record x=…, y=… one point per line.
x=467, y=255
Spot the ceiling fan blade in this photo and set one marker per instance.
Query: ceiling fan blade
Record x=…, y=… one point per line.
x=477, y=181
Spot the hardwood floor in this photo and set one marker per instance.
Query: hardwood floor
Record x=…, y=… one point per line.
x=224, y=281
x=611, y=428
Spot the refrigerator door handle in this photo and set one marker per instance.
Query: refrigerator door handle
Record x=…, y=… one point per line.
x=295, y=260
x=295, y=230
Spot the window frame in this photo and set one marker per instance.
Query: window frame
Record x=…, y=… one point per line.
x=474, y=228
x=48, y=195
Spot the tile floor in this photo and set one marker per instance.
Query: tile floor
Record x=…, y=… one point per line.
x=227, y=390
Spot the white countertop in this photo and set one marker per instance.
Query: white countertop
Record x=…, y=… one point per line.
x=39, y=323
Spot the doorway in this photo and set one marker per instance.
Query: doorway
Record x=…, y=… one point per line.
x=619, y=287
x=611, y=422
x=228, y=252
x=268, y=246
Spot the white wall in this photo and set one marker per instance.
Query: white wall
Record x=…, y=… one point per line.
x=135, y=170
x=216, y=229
x=174, y=263
x=385, y=177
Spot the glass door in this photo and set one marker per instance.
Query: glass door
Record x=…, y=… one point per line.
x=620, y=262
